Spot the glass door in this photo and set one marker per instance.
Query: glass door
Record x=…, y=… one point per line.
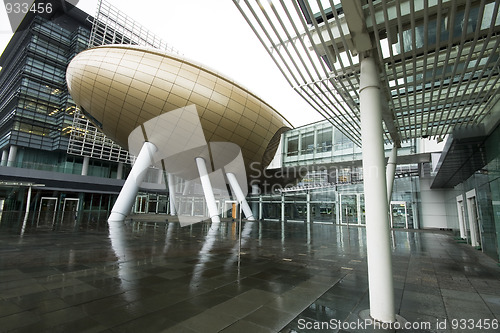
x=399, y=214
x=349, y=209
x=70, y=211
x=47, y=211
x=141, y=204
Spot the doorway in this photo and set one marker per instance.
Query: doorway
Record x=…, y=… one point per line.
x=70, y=211
x=399, y=214
x=348, y=209
x=47, y=212
x=474, y=219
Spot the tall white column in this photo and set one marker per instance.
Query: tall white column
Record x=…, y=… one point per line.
x=207, y=189
x=11, y=160
x=5, y=157
x=85, y=166
x=235, y=186
x=126, y=198
x=377, y=224
x=390, y=173
x=171, y=193
x=119, y=171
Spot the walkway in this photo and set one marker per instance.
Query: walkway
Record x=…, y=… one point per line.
x=289, y=277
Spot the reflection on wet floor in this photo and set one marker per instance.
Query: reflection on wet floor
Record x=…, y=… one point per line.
x=159, y=277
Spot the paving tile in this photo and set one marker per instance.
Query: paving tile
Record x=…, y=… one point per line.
x=60, y=281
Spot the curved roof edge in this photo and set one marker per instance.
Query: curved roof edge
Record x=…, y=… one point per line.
x=192, y=63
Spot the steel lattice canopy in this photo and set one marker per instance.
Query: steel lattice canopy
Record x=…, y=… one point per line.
x=438, y=59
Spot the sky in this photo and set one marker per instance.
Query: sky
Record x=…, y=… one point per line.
x=213, y=33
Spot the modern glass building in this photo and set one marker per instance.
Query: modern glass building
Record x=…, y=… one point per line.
x=54, y=164
x=328, y=167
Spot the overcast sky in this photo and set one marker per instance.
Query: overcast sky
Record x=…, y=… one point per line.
x=215, y=34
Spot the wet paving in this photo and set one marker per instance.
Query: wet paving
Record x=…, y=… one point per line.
x=276, y=277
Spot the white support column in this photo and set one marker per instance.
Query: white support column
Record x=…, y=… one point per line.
x=378, y=243
x=11, y=160
x=5, y=157
x=390, y=173
x=126, y=198
x=171, y=193
x=27, y=213
x=85, y=166
x=119, y=171
x=207, y=189
x=235, y=186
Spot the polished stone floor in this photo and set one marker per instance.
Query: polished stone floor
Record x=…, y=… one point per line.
x=280, y=277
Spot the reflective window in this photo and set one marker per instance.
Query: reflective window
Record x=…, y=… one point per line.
x=292, y=146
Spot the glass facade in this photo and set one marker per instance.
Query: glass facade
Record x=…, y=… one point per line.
x=477, y=202
x=36, y=110
x=36, y=122
x=330, y=181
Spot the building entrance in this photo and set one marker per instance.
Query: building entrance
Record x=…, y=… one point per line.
x=474, y=220
x=70, y=211
x=47, y=211
x=352, y=209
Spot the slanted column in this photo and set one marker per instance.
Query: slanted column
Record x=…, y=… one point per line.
x=235, y=186
x=27, y=213
x=377, y=223
x=171, y=193
x=390, y=173
x=85, y=166
x=126, y=198
x=11, y=160
x=207, y=189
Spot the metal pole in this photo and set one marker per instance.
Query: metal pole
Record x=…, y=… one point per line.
x=308, y=207
x=239, y=245
x=282, y=207
x=126, y=198
x=377, y=225
x=207, y=189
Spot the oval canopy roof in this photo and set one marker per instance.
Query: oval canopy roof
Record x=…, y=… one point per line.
x=120, y=87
